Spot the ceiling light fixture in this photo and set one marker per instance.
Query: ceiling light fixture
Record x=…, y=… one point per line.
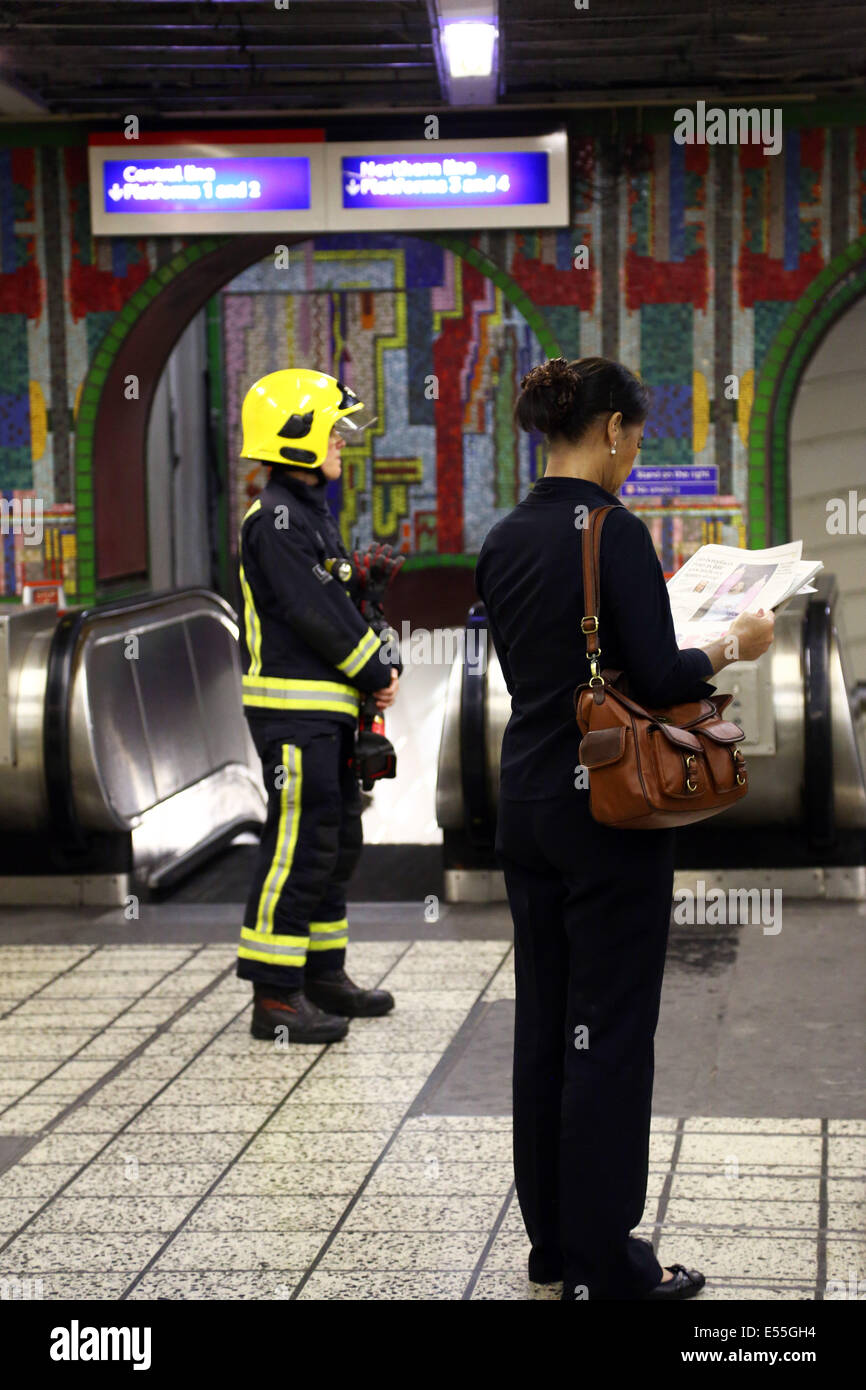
x=469, y=47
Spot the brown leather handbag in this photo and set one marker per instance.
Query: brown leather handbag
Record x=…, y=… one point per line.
x=649, y=769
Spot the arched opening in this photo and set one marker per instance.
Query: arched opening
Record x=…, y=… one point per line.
x=839, y=285
x=828, y=464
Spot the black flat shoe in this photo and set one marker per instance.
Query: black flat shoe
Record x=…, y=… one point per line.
x=684, y=1284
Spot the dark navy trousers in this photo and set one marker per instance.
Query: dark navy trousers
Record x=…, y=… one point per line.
x=591, y=909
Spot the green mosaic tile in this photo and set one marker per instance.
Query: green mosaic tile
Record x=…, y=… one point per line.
x=676, y=453
x=563, y=321
x=666, y=343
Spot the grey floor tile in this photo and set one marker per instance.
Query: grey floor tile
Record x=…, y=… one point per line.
x=743, y=1215
x=61, y=1251
x=252, y=1179
x=756, y=1260
x=64, y=1148
x=92, y=1215
x=238, y=1250
x=133, y=1180
x=14, y=1211
x=174, y=1148
x=201, y=1119
x=300, y=1116
x=35, y=1180
x=363, y=1146
x=223, y=1285
x=364, y=1285
x=504, y=1285
x=454, y=1213
x=233, y=1212
x=67, y=1286
x=440, y=1178
x=448, y=1250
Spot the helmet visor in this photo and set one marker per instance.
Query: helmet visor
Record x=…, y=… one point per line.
x=350, y=426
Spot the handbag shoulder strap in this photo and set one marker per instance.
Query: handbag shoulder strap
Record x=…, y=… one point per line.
x=590, y=557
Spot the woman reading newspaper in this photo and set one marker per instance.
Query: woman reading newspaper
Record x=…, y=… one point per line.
x=591, y=905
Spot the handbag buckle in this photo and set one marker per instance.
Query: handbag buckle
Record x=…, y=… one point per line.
x=592, y=658
x=590, y=618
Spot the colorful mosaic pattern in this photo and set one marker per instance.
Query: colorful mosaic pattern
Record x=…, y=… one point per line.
x=712, y=248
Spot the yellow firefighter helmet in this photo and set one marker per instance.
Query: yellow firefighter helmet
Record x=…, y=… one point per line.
x=288, y=417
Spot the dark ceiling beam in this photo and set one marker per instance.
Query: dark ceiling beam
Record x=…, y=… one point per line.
x=756, y=14
x=669, y=95
x=156, y=102
x=547, y=50
x=152, y=36
x=114, y=64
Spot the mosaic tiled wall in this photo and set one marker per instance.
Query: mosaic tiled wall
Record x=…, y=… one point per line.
x=692, y=261
x=434, y=347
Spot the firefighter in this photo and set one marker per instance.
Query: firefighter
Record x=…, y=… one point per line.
x=314, y=645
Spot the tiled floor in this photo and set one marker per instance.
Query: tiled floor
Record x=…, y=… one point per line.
x=168, y=1155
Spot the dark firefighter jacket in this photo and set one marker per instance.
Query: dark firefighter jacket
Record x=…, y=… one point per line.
x=305, y=648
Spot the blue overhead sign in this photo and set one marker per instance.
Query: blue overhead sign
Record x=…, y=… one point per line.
x=431, y=180
x=256, y=183
x=672, y=482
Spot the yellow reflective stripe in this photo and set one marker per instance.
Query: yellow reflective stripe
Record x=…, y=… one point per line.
x=290, y=683
x=281, y=692
x=272, y=949
x=360, y=654
x=329, y=936
x=319, y=706
x=252, y=626
x=329, y=928
x=287, y=836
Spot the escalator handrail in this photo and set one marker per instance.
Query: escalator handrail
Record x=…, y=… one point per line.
x=818, y=794
x=478, y=818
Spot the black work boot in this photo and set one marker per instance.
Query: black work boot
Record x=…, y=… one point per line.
x=275, y=1009
x=333, y=990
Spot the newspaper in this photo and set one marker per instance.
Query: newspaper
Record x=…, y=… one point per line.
x=719, y=582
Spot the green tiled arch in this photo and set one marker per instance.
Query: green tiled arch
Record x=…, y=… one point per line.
x=88, y=405
x=839, y=284
x=534, y=316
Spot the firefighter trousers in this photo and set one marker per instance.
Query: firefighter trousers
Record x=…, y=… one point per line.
x=295, y=920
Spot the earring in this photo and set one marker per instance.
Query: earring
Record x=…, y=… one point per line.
x=613, y=450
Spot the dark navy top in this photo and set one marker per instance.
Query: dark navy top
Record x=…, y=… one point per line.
x=529, y=577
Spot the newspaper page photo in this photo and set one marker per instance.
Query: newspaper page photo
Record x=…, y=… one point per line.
x=719, y=582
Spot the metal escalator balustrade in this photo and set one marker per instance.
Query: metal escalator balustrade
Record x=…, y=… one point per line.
x=124, y=753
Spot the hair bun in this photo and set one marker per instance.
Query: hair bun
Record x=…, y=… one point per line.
x=557, y=376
